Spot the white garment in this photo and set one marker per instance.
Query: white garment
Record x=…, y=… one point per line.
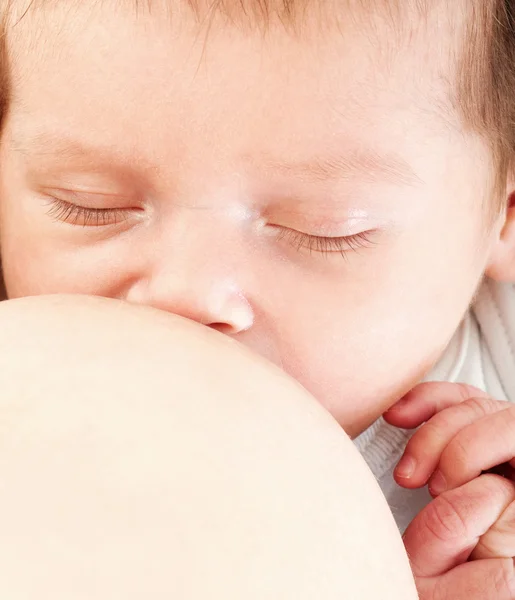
x=482, y=353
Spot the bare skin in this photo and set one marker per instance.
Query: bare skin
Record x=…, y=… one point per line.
x=144, y=456
x=325, y=224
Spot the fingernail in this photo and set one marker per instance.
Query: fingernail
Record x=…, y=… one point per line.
x=437, y=484
x=406, y=467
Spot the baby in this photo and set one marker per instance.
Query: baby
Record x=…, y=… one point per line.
x=330, y=184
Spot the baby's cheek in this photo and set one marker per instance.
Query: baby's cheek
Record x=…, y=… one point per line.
x=358, y=371
x=37, y=265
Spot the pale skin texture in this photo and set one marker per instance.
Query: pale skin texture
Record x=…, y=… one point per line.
x=116, y=486
x=201, y=148
x=213, y=152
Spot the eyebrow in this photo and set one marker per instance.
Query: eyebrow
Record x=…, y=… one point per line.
x=43, y=145
x=368, y=165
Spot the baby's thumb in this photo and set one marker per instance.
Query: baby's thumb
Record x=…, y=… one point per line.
x=443, y=535
x=492, y=579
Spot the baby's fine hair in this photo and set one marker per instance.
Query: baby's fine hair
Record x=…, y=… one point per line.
x=483, y=60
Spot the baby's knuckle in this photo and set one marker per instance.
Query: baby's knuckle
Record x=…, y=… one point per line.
x=504, y=579
x=497, y=488
x=458, y=452
x=420, y=441
x=482, y=406
x=438, y=591
x=467, y=392
x=443, y=519
x=509, y=413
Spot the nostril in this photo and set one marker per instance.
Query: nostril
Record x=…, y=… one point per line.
x=224, y=328
x=234, y=325
x=235, y=315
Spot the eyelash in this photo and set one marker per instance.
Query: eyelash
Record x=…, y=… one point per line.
x=60, y=210
x=67, y=212
x=328, y=245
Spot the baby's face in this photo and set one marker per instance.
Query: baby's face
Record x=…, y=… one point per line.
x=310, y=194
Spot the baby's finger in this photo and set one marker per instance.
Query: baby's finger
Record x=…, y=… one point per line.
x=492, y=579
x=427, y=399
x=499, y=540
x=425, y=448
x=446, y=531
x=484, y=444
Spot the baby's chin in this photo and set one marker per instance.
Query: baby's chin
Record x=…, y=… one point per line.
x=362, y=412
x=355, y=428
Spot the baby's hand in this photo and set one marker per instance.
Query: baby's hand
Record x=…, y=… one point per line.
x=461, y=545
x=465, y=433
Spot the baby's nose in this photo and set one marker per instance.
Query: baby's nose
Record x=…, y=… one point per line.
x=211, y=301
x=194, y=266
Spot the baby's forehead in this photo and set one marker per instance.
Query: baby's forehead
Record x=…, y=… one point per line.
x=387, y=29
x=390, y=25
x=48, y=24
x=401, y=15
